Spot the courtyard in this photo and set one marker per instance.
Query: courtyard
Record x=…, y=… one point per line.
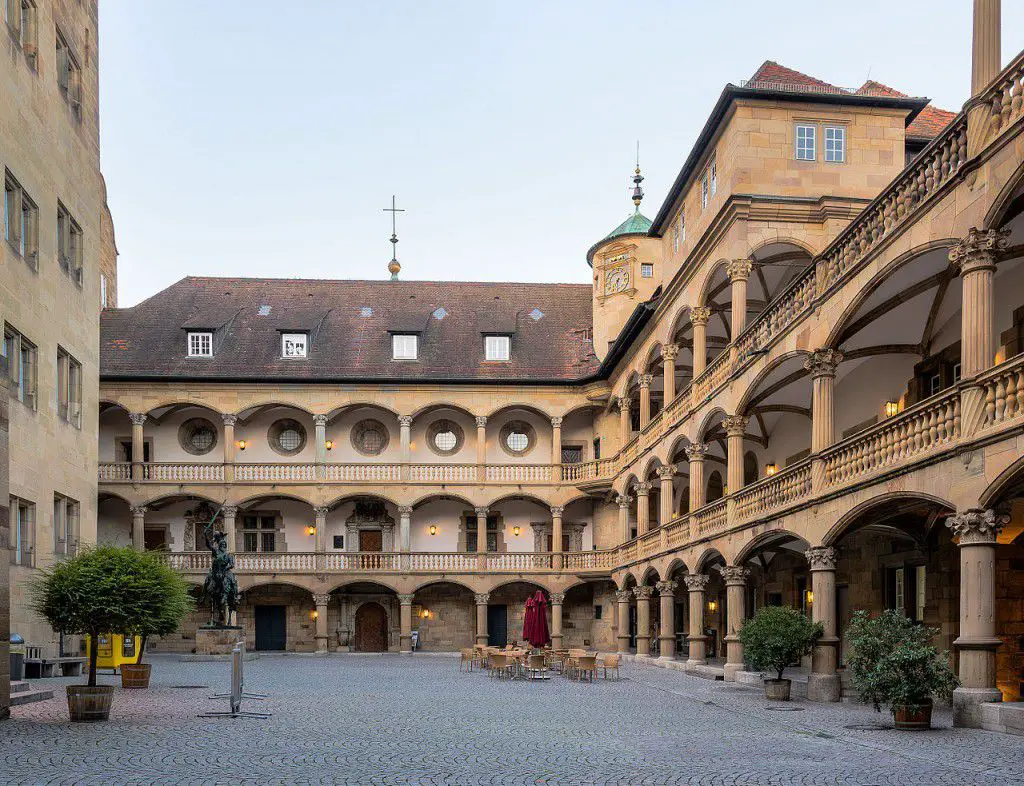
x=397, y=719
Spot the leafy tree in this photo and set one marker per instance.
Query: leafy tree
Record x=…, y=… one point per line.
x=776, y=637
x=111, y=590
x=894, y=662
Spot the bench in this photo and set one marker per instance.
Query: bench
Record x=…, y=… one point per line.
x=37, y=667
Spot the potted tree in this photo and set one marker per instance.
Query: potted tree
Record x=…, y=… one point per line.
x=894, y=662
x=774, y=638
x=103, y=590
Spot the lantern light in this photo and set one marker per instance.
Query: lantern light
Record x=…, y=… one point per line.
x=810, y=597
x=311, y=530
x=891, y=408
x=314, y=614
x=329, y=444
x=242, y=444
x=433, y=529
x=712, y=606
x=516, y=531
x=770, y=469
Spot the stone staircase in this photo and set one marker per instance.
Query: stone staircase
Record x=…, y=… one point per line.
x=23, y=692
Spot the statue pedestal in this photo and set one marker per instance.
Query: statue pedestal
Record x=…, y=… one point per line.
x=218, y=641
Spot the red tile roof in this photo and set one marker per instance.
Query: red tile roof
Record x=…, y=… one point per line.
x=928, y=124
x=771, y=72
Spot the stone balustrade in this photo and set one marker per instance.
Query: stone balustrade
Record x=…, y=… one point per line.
x=183, y=472
x=774, y=491
x=709, y=519
x=1005, y=97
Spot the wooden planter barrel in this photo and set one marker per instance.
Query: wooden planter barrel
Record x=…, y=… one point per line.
x=913, y=717
x=777, y=690
x=90, y=703
x=135, y=675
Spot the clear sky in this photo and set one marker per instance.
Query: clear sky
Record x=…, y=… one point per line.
x=253, y=138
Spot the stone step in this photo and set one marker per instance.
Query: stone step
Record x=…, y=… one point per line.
x=23, y=693
x=20, y=686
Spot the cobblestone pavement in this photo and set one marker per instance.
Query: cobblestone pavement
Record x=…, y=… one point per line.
x=392, y=720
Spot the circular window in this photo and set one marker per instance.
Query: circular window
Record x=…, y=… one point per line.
x=370, y=437
x=197, y=436
x=518, y=437
x=287, y=437
x=444, y=437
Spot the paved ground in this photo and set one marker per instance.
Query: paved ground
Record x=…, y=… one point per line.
x=393, y=719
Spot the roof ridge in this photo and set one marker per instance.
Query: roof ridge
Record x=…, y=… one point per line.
x=381, y=281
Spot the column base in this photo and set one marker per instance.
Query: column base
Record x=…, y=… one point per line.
x=967, y=705
x=696, y=662
x=730, y=670
x=823, y=687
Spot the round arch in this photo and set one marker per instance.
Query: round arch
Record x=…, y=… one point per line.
x=352, y=496
x=900, y=500
x=341, y=409
x=1009, y=202
x=268, y=404
x=1006, y=484
x=439, y=405
x=183, y=402
x=349, y=581
x=708, y=558
x=709, y=278
x=434, y=496
x=256, y=498
x=179, y=497
x=440, y=582
x=769, y=368
x=765, y=539
x=543, y=414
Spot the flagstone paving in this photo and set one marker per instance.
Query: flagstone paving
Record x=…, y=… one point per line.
x=396, y=720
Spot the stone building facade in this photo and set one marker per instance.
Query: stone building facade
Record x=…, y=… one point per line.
x=801, y=383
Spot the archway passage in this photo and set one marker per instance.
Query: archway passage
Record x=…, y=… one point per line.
x=371, y=628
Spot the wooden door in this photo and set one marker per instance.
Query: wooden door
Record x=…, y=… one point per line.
x=497, y=625
x=271, y=628
x=371, y=540
x=371, y=628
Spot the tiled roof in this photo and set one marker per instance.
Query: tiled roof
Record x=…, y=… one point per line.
x=928, y=124
x=771, y=72
x=349, y=324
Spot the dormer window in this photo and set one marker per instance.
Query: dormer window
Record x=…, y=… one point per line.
x=200, y=345
x=497, y=347
x=404, y=346
x=294, y=345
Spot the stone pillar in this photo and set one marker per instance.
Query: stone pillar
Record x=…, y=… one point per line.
x=139, y=528
x=645, y=400
x=976, y=530
x=665, y=513
x=696, y=585
x=138, y=441
x=320, y=429
x=976, y=257
x=735, y=427
x=696, y=453
x=736, y=606
x=556, y=538
x=822, y=364
x=699, y=316
x=405, y=528
x=643, y=508
x=667, y=598
x=557, y=599
x=622, y=598
x=229, y=447
x=669, y=353
x=481, y=617
x=739, y=274
x=229, y=512
x=985, y=50
x=823, y=681
x=481, y=530
x=322, y=638
x=624, y=528
x=556, y=449
x=405, y=441
x=320, y=522
x=405, y=621
x=643, y=621
x=481, y=448
x=625, y=422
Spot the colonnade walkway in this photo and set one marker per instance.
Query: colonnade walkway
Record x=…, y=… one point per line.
x=394, y=719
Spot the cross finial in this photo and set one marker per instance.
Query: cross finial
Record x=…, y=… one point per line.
x=638, y=193
x=394, y=266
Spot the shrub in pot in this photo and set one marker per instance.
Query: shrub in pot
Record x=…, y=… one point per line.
x=774, y=638
x=103, y=590
x=894, y=662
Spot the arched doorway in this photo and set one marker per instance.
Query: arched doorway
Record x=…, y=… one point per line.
x=371, y=628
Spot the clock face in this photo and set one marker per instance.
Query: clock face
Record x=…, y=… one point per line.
x=616, y=280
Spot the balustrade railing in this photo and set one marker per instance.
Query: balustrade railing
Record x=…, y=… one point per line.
x=443, y=473
x=361, y=560
x=276, y=473
x=712, y=378
x=275, y=562
x=183, y=473
x=709, y=519
x=518, y=473
x=113, y=471
x=678, y=531
x=791, y=484
x=590, y=560
x=1003, y=393
x=373, y=473
x=517, y=561
x=1005, y=97
x=443, y=562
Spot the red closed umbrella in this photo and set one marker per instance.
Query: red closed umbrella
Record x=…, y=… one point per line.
x=539, y=635
x=529, y=619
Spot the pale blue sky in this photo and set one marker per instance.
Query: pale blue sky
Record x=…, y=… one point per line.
x=252, y=138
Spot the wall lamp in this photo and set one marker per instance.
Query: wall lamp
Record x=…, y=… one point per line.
x=892, y=408
x=712, y=606
x=242, y=444
x=311, y=530
x=770, y=469
x=329, y=444
x=810, y=597
x=425, y=614
x=314, y=614
x=433, y=529
x=516, y=531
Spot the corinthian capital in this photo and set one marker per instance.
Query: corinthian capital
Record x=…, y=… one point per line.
x=645, y=380
x=319, y=420
x=137, y=418
x=623, y=500
x=625, y=402
x=405, y=421
x=735, y=425
x=667, y=587
x=623, y=596
x=696, y=582
x=557, y=598
x=556, y=422
x=699, y=315
x=642, y=489
x=405, y=599
x=977, y=525
x=734, y=574
x=697, y=451
x=667, y=472
x=482, y=598
x=320, y=512
x=978, y=250
x=823, y=362
x=481, y=421
x=822, y=557
x=643, y=593
x=321, y=599
x=739, y=269
x=405, y=510
x=670, y=351
x=229, y=420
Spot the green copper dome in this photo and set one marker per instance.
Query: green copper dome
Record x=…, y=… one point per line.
x=636, y=224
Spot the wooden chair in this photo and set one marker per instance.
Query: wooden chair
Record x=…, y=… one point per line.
x=466, y=658
x=586, y=665
x=609, y=663
x=500, y=666
x=536, y=667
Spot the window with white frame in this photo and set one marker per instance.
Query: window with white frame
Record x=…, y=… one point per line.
x=20, y=354
x=69, y=388
x=682, y=227
x=103, y=290
x=646, y=270
x=23, y=516
x=69, y=243
x=259, y=532
x=835, y=144
x=704, y=191
x=713, y=177
x=404, y=346
x=294, y=345
x=806, y=148
x=20, y=220
x=200, y=345
x=497, y=347
x=675, y=238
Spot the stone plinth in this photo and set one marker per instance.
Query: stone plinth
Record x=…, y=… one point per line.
x=218, y=641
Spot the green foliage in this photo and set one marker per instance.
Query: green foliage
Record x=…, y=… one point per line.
x=894, y=662
x=776, y=637
x=111, y=590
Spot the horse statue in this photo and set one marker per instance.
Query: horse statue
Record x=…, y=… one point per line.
x=220, y=587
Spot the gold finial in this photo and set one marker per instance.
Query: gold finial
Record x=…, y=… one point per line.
x=393, y=266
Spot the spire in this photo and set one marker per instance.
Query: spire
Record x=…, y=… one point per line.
x=394, y=266
x=638, y=193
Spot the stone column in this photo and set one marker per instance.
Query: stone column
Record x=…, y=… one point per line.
x=736, y=603
x=229, y=447
x=643, y=621
x=481, y=447
x=556, y=538
x=665, y=513
x=320, y=522
x=669, y=353
x=481, y=617
x=823, y=681
x=643, y=508
x=739, y=274
x=976, y=257
x=139, y=528
x=696, y=453
x=138, y=441
x=976, y=530
x=624, y=528
x=699, y=316
x=405, y=528
x=405, y=441
x=645, y=400
x=481, y=530
x=622, y=599
x=322, y=637
x=625, y=422
x=822, y=364
x=667, y=598
x=985, y=50
x=320, y=429
x=735, y=427
x=557, y=599
x=696, y=586
x=405, y=620
x=229, y=512
x=556, y=449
